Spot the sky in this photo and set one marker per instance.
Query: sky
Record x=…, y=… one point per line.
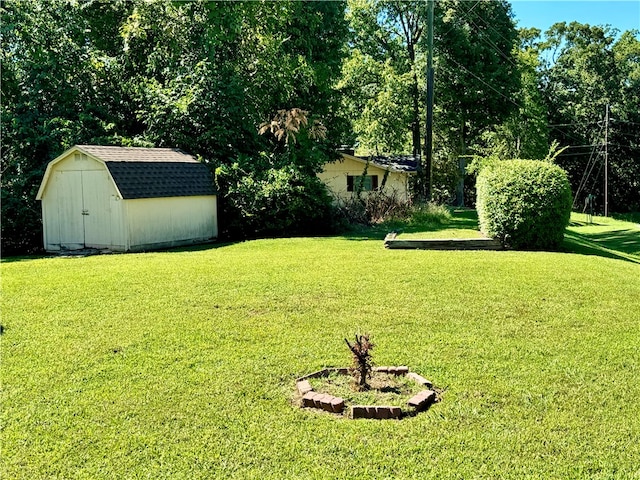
x=620, y=14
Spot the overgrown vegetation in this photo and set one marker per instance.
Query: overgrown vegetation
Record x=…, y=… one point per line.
x=387, y=210
x=199, y=76
x=524, y=203
x=277, y=192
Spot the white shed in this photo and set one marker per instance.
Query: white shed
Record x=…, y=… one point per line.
x=126, y=199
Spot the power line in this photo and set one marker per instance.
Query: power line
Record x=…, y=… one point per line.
x=568, y=134
x=464, y=14
x=491, y=43
x=563, y=154
x=485, y=83
x=572, y=124
x=622, y=121
x=589, y=168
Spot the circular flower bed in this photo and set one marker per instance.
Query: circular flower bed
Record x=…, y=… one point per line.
x=394, y=392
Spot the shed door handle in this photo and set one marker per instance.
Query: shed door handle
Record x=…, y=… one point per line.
x=85, y=212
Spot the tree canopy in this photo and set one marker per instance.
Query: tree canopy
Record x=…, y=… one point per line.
x=196, y=75
x=589, y=68
x=205, y=76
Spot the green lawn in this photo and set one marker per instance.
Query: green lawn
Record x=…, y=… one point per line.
x=182, y=364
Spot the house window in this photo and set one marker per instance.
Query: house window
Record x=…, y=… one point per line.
x=364, y=183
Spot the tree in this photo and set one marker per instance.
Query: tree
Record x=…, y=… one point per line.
x=54, y=87
x=197, y=75
x=525, y=132
x=386, y=35
x=590, y=69
x=476, y=75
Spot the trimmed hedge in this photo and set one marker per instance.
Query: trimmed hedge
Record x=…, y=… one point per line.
x=524, y=203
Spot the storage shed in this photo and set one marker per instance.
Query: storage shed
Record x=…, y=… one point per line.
x=126, y=199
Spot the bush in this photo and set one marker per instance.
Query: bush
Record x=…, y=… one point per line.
x=278, y=201
x=524, y=203
x=373, y=208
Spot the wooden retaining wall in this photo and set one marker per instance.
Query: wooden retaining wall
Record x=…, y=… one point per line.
x=392, y=242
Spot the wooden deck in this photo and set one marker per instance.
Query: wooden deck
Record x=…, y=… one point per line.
x=392, y=242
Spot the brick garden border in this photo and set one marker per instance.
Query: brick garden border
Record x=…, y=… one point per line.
x=329, y=403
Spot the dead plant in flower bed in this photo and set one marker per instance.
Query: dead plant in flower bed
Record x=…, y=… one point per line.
x=362, y=362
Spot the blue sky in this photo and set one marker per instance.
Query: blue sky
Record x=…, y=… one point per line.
x=621, y=14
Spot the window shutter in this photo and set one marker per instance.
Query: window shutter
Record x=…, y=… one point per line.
x=374, y=182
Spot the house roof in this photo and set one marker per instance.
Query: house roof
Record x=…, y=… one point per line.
x=401, y=163
x=147, y=172
x=393, y=163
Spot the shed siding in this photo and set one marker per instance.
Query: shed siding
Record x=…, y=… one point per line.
x=79, y=207
x=170, y=221
x=103, y=216
x=334, y=175
x=83, y=207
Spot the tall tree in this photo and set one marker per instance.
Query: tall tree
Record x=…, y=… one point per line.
x=475, y=69
x=386, y=35
x=525, y=132
x=197, y=75
x=54, y=94
x=588, y=69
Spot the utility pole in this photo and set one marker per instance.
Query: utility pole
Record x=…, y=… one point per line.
x=428, y=154
x=606, y=162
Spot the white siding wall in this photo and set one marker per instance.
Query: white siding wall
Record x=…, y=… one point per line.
x=165, y=222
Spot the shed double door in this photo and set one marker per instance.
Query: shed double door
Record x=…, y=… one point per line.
x=84, y=212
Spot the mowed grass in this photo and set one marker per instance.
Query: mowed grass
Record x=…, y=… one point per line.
x=182, y=364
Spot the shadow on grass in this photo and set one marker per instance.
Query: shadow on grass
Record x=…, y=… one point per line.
x=78, y=254
x=461, y=219
x=23, y=258
x=617, y=244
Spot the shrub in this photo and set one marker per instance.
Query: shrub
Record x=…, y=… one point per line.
x=524, y=203
x=374, y=208
x=275, y=201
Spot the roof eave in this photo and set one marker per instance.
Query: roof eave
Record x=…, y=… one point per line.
x=380, y=166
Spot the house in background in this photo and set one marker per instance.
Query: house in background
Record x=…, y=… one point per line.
x=126, y=199
x=391, y=174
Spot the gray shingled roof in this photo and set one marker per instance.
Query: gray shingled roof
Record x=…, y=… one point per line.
x=403, y=163
x=154, y=172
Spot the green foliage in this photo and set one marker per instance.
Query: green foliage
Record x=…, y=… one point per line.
x=589, y=68
x=430, y=214
x=476, y=70
x=200, y=76
x=281, y=199
x=383, y=79
x=524, y=203
x=525, y=132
